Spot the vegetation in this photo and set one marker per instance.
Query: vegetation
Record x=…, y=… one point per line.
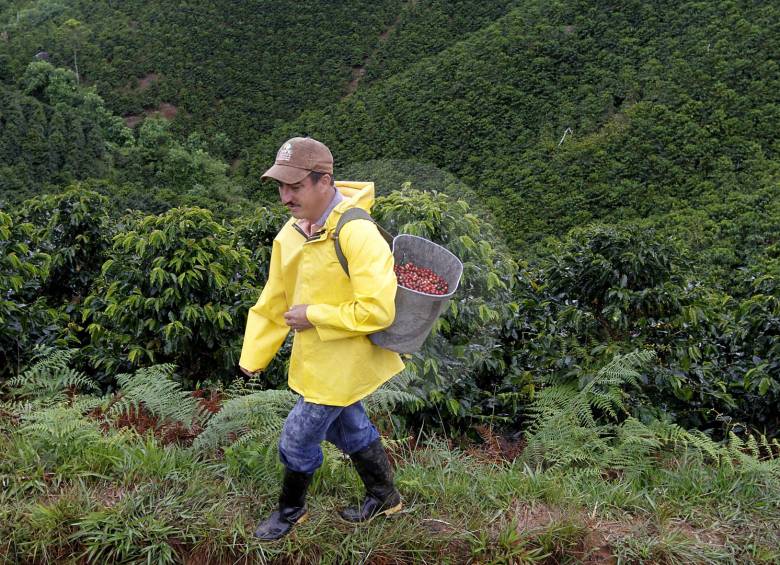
x=173, y=288
x=118, y=477
x=665, y=124
x=604, y=383
x=210, y=66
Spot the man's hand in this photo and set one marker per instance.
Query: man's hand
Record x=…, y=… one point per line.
x=296, y=318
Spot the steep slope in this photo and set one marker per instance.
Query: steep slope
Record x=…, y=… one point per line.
x=668, y=105
x=424, y=28
x=52, y=132
x=234, y=69
x=55, y=133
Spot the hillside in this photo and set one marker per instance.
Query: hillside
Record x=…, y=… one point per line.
x=669, y=107
x=602, y=387
x=210, y=69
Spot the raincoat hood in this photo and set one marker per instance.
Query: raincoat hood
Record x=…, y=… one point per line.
x=356, y=195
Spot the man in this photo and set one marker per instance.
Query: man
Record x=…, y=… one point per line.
x=333, y=364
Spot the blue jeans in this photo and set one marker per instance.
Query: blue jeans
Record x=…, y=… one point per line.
x=307, y=424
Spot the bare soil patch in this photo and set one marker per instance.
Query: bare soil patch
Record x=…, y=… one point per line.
x=133, y=120
x=359, y=71
x=167, y=111
x=164, y=110
x=536, y=516
x=167, y=432
x=593, y=546
x=494, y=447
x=702, y=536
x=147, y=81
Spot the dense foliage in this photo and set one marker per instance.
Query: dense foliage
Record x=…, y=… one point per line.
x=606, y=290
x=609, y=176
x=24, y=315
x=175, y=288
x=226, y=71
x=564, y=113
x=615, y=187
x=74, y=229
x=53, y=132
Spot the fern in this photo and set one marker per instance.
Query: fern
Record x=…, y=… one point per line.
x=47, y=381
x=61, y=436
x=574, y=404
x=153, y=388
x=257, y=416
x=567, y=431
x=391, y=394
x=633, y=448
x=576, y=426
x=60, y=426
x=753, y=454
x=85, y=403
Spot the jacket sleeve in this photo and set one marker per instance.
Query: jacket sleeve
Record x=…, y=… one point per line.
x=373, y=287
x=265, y=326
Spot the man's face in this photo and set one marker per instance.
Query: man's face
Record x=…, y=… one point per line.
x=307, y=199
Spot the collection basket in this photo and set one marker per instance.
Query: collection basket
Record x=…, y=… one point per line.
x=416, y=312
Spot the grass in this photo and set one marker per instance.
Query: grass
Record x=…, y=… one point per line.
x=84, y=483
x=167, y=504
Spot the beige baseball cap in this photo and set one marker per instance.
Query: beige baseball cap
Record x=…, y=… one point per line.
x=297, y=157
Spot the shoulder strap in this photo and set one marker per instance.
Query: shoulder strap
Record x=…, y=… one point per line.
x=348, y=216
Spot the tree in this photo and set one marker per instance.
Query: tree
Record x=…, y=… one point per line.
x=57, y=138
x=73, y=35
x=34, y=144
x=14, y=128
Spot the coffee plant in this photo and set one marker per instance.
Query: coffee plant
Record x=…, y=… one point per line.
x=176, y=288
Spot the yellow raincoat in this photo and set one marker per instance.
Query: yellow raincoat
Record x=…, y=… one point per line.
x=333, y=363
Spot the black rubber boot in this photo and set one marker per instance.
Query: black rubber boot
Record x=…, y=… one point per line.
x=292, y=507
x=381, y=495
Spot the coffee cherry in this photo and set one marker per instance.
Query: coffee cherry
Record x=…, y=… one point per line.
x=421, y=279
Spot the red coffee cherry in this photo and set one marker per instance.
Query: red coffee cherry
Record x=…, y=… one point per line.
x=421, y=279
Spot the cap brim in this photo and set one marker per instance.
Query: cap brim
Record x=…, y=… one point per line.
x=285, y=174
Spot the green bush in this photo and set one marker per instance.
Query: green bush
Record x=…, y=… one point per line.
x=74, y=229
x=753, y=348
x=461, y=365
x=622, y=276
x=606, y=290
x=26, y=318
x=176, y=288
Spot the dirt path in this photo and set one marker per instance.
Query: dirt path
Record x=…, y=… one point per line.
x=359, y=71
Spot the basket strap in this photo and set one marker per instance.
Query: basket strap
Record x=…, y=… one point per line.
x=348, y=216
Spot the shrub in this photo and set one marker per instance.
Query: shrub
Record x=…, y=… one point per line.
x=74, y=229
x=461, y=365
x=622, y=275
x=176, y=288
x=26, y=319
